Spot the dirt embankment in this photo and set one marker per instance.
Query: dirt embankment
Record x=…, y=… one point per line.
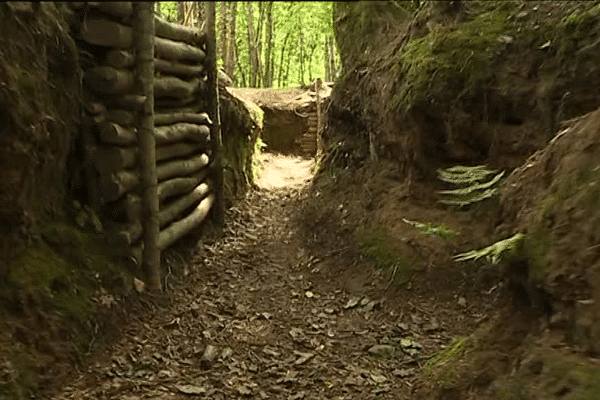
x=461, y=82
x=476, y=83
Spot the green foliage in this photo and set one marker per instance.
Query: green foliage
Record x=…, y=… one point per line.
x=378, y=246
x=499, y=251
x=458, y=56
x=438, y=231
x=446, y=360
x=472, y=185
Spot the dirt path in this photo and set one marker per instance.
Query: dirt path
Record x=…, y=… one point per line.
x=281, y=328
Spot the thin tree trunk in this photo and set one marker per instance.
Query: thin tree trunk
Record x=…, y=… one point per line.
x=258, y=44
x=251, y=48
x=301, y=58
x=287, y=68
x=281, y=65
x=180, y=12
x=144, y=45
x=310, y=56
x=268, y=78
x=231, y=45
x=223, y=27
x=216, y=142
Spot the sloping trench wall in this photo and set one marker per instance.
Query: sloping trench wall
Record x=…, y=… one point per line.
x=103, y=34
x=293, y=128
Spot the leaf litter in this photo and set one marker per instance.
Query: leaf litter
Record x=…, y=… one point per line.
x=250, y=322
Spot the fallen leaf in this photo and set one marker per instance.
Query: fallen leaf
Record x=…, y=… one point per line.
x=139, y=285
x=190, y=389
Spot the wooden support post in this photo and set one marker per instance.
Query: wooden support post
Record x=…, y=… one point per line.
x=143, y=38
x=213, y=95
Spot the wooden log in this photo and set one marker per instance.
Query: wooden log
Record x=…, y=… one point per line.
x=113, y=158
x=94, y=108
x=178, y=32
x=113, y=133
x=127, y=209
x=129, y=102
x=192, y=109
x=184, y=167
x=175, y=208
x=123, y=235
x=101, y=32
x=112, y=34
x=124, y=59
x=123, y=10
x=175, y=68
x=119, y=59
x=173, y=118
x=177, y=150
x=171, y=86
x=178, y=229
x=171, y=50
x=180, y=186
x=174, y=103
x=120, y=81
x=121, y=117
x=178, y=132
x=115, y=185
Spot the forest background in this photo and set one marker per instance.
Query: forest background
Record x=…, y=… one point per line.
x=267, y=44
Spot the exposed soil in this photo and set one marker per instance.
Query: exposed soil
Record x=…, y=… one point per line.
x=289, y=318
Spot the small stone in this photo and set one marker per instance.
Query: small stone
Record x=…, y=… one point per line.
x=382, y=350
x=522, y=14
x=462, y=302
x=352, y=302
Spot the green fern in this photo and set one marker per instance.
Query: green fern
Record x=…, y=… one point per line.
x=440, y=231
x=498, y=251
x=473, y=185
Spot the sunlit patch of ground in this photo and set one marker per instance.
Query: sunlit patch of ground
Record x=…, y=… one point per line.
x=285, y=171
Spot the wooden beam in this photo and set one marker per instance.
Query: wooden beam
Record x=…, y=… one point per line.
x=178, y=229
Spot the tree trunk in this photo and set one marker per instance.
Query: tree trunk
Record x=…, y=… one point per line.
x=251, y=46
x=144, y=49
x=301, y=53
x=112, y=133
x=113, y=158
x=180, y=12
x=113, y=186
x=231, y=53
x=223, y=27
x=312, y=51
x=214, y=112
x=268, y=78
x=281, y=65
x=258, y=44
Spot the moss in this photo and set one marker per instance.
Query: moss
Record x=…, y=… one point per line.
x=378, y=246
x=579, y=190
x=457, y=55
x=444, y=364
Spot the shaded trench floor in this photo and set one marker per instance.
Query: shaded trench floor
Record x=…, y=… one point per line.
x=282, y=327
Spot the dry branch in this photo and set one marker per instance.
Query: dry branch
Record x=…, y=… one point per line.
x=178, y=132
x=176, y=207
x=170, y=86
x=130, y=102
x=185, y=167
x=180, y=228
x=181, y=33
x=175, y=68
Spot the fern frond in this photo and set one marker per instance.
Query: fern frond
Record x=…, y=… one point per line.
x=495, y=252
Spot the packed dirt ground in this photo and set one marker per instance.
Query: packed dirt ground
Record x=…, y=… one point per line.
x=269, y=311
